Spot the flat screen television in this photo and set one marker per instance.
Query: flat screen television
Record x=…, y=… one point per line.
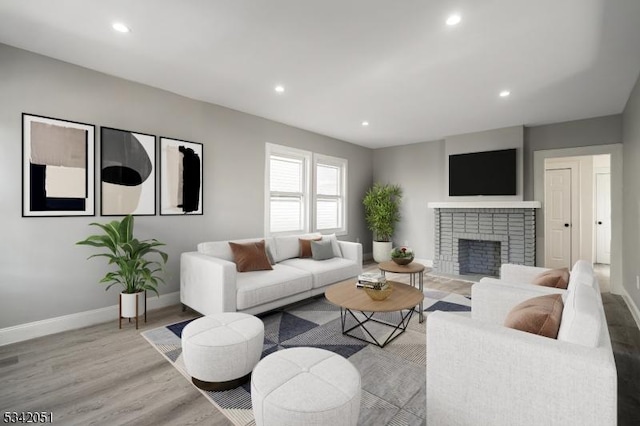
x=483, y=173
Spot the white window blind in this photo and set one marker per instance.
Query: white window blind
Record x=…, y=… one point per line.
x=330, y=174
x=287, y=189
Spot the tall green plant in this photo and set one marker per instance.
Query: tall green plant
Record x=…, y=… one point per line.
x=134, y=272
x=382, y=210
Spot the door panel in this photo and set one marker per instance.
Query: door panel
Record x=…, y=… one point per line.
x=603, y=218
x=557, y=212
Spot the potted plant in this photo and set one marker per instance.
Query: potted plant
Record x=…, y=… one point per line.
x=402, y=255
x=382, y=212
x=133, y=270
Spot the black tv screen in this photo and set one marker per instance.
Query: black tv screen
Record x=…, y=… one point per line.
x=483, y=173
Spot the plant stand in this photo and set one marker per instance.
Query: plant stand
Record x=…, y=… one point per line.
x=137, y=295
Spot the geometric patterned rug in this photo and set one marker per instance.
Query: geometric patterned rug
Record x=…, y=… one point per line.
x=393, y=378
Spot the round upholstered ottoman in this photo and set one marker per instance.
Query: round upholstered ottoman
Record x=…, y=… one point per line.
x=220, y=350
x=305, y=386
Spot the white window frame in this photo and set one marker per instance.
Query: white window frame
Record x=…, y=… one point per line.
x=298, y=154
x=309, y=195
x=342, y=165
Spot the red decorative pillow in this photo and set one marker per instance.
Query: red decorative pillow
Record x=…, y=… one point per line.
x=250, y=256
x=558, y=278
x=540, y=315
x=305, y=246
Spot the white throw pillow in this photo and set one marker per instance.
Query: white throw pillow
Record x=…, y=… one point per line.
x=334, y=244
x=581, y=318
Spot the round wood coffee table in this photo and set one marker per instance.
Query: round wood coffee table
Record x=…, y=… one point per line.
x=414, y=269
x=403, y=299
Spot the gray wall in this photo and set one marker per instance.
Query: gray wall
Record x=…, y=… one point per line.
x=42, y=273
x=631, y=194
x=591, y=131
x=419, y=170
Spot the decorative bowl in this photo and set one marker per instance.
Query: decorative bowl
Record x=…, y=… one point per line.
x=378, y=295
x=402, y=260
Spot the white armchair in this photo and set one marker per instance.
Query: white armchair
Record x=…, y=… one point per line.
x=482, y=373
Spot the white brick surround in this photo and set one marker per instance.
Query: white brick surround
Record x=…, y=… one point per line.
x=513, y=228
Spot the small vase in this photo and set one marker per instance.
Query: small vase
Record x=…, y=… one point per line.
x=402, y=260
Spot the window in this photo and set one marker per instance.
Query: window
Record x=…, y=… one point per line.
x=299, y=200
x=330, y=175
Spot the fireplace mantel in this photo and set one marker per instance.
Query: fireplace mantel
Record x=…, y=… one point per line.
x=485, y=205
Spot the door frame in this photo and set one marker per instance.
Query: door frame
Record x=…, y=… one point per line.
x=615, y=150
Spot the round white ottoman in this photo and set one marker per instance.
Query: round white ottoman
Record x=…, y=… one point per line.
x=220, y=350
x=305, y=386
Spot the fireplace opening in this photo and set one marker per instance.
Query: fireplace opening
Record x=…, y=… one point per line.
x=479, y=257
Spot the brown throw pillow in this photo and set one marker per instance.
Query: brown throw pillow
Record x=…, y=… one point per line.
x=540, y=315
x=250, y=256
x=558, y=278
x=305, y=246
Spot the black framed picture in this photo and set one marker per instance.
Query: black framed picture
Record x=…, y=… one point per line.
x=127, y=173
x=180, y=177
x=58, y=167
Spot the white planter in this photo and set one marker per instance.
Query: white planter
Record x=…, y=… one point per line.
x=382, y=251
x=128, y=304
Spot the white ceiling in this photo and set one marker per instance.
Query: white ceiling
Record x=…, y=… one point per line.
x=392, y=63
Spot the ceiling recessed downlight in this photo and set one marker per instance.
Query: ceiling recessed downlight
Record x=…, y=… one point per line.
x=279, y=89
x=365, y=123
x=453, y=19
x=120, y=27
x=504, y=93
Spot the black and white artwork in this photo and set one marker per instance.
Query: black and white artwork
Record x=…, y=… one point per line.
x=58, y=158
x=127, y=173
x=180, y=177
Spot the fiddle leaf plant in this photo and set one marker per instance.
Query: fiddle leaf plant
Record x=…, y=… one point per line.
x=134, y=271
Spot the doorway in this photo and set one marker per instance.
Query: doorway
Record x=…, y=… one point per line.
x=577, y=210
x=615, y=156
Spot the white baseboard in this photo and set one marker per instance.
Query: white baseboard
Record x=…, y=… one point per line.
x=31, y=330
x=635, y=312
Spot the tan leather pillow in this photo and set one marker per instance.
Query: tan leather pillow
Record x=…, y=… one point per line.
x=558, y=278
x=305, y=246
x=540, y=315
x=250, y=256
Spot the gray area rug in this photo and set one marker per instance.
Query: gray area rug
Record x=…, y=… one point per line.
x=393, y=378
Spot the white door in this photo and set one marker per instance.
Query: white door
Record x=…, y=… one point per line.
x=603, y=218
x=557, y=213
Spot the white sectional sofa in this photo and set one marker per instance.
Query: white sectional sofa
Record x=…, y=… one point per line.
x=480, y=372
x=209, y=282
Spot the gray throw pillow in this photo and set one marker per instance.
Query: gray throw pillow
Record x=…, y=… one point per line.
x=321, y=250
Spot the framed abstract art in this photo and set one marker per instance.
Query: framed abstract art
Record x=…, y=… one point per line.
x=58, y=167
x=180, y=177
x=127, y=173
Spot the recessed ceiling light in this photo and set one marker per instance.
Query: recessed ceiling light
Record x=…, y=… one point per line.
x=365, y=123
x=504, y=93
x=453, y=19
x=279, y=89
x=120, y=27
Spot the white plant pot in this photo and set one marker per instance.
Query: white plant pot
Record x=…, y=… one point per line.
x=128, y=304
x=382, y=251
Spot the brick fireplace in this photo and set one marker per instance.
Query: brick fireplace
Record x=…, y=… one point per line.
x=476, y=238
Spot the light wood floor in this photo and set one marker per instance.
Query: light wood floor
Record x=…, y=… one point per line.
x=102, y=375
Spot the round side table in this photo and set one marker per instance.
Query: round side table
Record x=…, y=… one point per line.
x=414, y=269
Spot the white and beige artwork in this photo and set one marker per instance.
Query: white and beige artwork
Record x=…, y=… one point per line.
x=57, y=167
x=180, y=177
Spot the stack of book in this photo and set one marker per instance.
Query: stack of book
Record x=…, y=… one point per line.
x=372, y=280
